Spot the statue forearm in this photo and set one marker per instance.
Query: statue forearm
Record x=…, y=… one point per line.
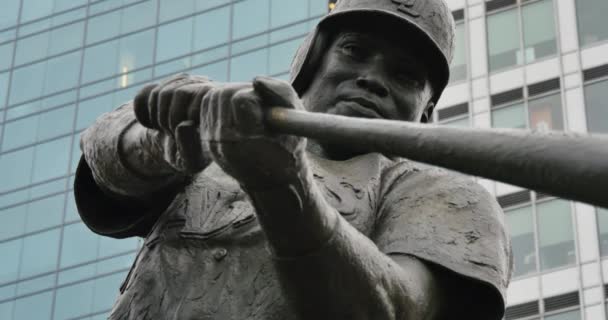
x=125, y=157
x=332, y=271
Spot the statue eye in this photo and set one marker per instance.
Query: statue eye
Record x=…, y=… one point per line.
x=354, y=50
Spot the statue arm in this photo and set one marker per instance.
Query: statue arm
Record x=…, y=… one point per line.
x=329, y=270
x=125, y=158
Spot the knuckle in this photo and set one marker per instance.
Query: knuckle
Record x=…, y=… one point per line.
x=243, y=97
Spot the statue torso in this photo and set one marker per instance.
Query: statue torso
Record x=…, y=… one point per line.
x=207, y=258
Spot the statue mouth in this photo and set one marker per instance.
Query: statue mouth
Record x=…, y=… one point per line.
x=358, y=107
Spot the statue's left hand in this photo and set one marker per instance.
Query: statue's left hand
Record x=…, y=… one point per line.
x=232, y=126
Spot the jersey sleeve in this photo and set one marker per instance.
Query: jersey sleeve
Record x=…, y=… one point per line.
x=114, y=215
x=449, y=220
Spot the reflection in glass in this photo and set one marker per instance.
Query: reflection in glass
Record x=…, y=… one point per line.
x=521, y=229
x=51, y=159
x=40, y=253
x=6, y=55
x=602, y=223
x=79, y=245
x=74, y=300
x=250, y=16
x=247, y=66
x=570, y=315
x=503, y=40
x=34, y=307
x=9, y=251
x=546, y=113
x=9, y=13
x=591, y=18
x=15, y=169
x=281, y=56
x=458, y=122
x=556, y=238
x=513, y=116
x=596, y=95
x=458, y=69
x=539, y=30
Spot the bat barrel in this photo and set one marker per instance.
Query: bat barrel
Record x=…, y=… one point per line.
x=568, y=165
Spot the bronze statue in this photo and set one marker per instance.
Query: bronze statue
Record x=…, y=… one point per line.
x=241, y=222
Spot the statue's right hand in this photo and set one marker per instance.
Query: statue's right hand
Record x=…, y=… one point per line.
x=166, y=105
x=172, y=107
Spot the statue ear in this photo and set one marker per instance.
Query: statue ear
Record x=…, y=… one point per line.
x=427, y=114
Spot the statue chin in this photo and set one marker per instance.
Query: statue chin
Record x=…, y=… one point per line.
x=341, y=152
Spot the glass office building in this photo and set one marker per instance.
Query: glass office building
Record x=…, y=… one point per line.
x=519, y=63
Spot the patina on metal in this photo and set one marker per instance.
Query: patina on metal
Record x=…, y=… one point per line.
x=241, y=222
x=569, y=165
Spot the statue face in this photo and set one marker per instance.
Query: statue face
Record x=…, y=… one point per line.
x=365, y=74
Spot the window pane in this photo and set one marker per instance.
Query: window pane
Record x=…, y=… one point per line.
x=169, y=44
x=12, y=222
x=62, y=72
x=51, y=159
x=74, y=300
x=539, y=30
x=79, y=245
x=171, y=9
x=106, y=290
x=36, y=284
x=6, y=55
x=104, y=26
x=247, y=66
x=250, y=16
x=35, y=307
x=602, y=221
x=521, y=229
x=66, y=38
x=463, y=122
x=121, y=21
x=458, y=69
x=287, y=11
x=509, y=117
x=211, y=28
x=570, y=315
x=54, y=123
x=135, y=51
x=3, y=87
x=546, y=113
x=44, y=213
x=597, y=111
x=6, y=310
x=89, y=110
x=591, y=20
x=9, y=13
x=281, y=56
x=19, y=133
x=216, y=71
x=40, y=253
x=15, y=169
x=556, y=239
x=33, y=9
x=9, y=268
x=118, y=56
x=503, y=39
x=28, y=82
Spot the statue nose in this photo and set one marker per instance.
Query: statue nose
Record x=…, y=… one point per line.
x=372, y=85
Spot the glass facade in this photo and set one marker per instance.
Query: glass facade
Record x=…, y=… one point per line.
x=540, y=112
x=597, y=110
x=64, y=62
x=521, y=34
x=542, y=236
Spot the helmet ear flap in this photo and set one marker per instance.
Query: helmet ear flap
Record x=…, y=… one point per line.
x=306, y=70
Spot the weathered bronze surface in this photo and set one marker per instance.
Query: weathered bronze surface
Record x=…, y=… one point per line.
x=569, y=165
x=241, y=222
